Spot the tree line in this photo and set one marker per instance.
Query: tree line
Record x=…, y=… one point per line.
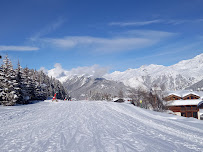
x=23, y=85
x=147, y=99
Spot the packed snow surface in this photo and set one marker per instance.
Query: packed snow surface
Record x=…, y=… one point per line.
x=85, y=126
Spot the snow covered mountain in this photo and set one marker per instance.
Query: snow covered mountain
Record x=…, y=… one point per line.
x=174, y=77
x=178, y=76
x=197, y=86
x=83, y=87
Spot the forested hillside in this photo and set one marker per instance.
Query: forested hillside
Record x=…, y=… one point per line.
x=23, y=85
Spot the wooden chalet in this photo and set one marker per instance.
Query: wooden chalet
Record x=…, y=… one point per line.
x=172, y=97
x=184, y=103
x=191, y=96
x=185, y=110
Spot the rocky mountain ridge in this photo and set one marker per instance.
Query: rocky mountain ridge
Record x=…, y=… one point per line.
x=88, y=87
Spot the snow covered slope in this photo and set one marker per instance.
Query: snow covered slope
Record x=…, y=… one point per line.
x=83, y=126
x=178, y=76
x=196, y=86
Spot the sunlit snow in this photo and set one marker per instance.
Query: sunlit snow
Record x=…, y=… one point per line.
x=89, y=126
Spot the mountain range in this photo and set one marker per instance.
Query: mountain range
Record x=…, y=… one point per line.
x=175, y=77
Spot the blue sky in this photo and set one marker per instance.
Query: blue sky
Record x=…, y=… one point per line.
x=118, y=34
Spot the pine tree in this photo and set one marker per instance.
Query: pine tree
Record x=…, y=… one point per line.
x=1, y=82
x=40, y=86
x=19, y=80
x=28, y=89
x=9, y=85
x=24, y=85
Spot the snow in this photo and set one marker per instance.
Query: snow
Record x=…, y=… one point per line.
x=89, y=126
x=190, y=71
x=201, y=111
x=183, y=102
x=183, y=93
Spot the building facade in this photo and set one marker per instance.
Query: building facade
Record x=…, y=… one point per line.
x=184, y=103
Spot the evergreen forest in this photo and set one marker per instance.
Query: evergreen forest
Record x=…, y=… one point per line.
x=24, y=85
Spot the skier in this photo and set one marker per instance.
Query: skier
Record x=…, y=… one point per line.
x=54, y=98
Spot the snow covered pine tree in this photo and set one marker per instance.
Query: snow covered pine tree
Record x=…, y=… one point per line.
x=22, y=86
x=9, y=85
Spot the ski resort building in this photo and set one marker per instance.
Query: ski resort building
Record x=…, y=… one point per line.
x=185, y=103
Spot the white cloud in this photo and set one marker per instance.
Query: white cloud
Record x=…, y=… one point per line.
x=48, y=29
x=162, y=21
x=101, y=44
x=94, y=70
x=57, y=71
x=18, y=48
x=150, y=34
x=179, y=21
x=61, y=74
x=43, y=69
x=130, y=40
x=141, y=23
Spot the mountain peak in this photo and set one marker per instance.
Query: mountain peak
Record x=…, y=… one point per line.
x=177, y=76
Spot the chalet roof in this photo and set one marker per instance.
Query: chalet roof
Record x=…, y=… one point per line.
x=183, y=93
x=183, y=102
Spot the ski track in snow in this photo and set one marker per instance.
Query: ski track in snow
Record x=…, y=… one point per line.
x=81, y=126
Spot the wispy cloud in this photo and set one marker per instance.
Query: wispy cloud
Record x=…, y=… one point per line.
x=130, y=40
x=137, y=23
x=100, y=44
x=158, y=21
x=18, y=48
x=47, y=29
x=181, y=21
x=150, y=34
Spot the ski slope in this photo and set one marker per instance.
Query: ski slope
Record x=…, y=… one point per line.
x=84, y=126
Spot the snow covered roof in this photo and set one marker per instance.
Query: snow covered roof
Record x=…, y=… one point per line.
x=183, y=93
x=183, y=102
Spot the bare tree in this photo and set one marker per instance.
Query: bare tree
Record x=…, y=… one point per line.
x=107, y=97
x=120, y=94
x=146, y=99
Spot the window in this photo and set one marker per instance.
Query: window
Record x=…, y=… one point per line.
x=194, y=108
x=189, y=114
x=188, y=108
